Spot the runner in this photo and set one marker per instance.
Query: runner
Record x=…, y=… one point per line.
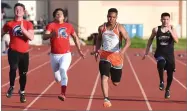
x=111, y=54
x=59, y=33
x=20, y=31
x=164, y=54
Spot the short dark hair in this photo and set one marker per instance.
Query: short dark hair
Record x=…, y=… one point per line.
x=165, y=14
x=19, y=4
x=113, y=10
x=58, y=9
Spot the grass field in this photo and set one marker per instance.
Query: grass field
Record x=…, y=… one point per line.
x=141, y=43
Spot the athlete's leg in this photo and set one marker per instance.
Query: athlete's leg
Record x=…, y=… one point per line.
x=13, y=59
x=169, y=82
x=170, y=66
x=64, y=63
x=160, y=67
x=55, y=67
x=115, y=76
x=23, y=69
x=104, y=68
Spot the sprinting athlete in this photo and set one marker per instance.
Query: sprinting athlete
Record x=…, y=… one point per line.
x=59, y=33
x=20, y=31
x=111, y=54
x=165, y=37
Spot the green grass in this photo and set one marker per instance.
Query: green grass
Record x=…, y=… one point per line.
x=141, y=43
x=182, y=44
x=138, y=43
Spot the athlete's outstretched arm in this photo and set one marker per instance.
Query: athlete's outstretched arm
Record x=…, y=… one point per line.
x=126, y=37
x=94, y=41
x=77, y=43
x=98, y=39
x=151, y=38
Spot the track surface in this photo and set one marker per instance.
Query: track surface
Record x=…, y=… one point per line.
x=138, y=89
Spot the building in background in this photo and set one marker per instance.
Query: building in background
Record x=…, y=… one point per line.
x=147, y=13
x=86, y=16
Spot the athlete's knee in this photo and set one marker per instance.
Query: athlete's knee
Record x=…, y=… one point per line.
x=115, y=83
x=13, y=67
x=13, y=70
x=22, y=76
x=22, y=73
x=161, y=64
x=57, y=76
x=104, y=78
x=63, y=74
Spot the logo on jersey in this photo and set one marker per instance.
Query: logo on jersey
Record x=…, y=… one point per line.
x=17, y=31
x=164, y=40
x=109, y=34
x=62, y=32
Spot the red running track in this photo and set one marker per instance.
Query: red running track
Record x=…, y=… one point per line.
x=138, y=89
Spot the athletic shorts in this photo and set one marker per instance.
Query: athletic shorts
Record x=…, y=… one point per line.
x=169, y=58
x=114, y=58
x=106, y=69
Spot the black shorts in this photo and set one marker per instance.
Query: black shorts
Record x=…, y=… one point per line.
x=169, y=58
x=106, y=69
x=18, y=60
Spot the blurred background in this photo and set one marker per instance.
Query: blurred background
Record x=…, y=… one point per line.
x=138, y=17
